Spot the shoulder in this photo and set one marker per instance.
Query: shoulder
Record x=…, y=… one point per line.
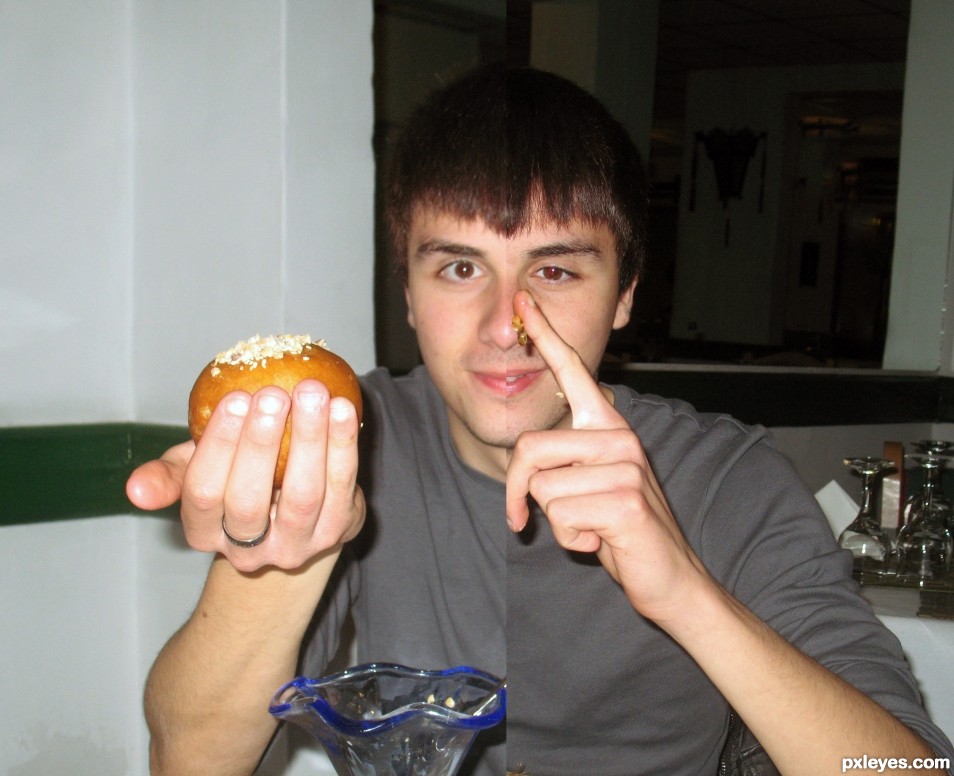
x=399, y=411
x=673, y=432
x=409, y=393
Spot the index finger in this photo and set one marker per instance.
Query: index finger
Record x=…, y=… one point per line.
x=588, y=406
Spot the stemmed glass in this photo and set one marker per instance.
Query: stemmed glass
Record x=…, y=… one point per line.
x=924, y=541
x=869, y=544
x=932, y=473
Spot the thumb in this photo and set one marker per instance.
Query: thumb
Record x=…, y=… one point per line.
x=158, y=484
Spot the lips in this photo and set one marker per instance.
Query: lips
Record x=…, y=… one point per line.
x=508, y=384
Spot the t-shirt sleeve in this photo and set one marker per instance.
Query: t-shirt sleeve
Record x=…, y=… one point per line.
x=766, y=539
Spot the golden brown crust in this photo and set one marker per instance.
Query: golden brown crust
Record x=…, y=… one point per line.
x=284, y=361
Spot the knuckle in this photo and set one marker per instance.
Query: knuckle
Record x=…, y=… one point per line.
x=329, y=533
x=524, y=443
x=204, y=496
x=632, y=473
x=300, y=498
x=200, y=541
x=626, y=445
x=289, y=561
x=244, y=506
x=262, y=438
x=245, y=561
x=538, y=485
x=341, y=477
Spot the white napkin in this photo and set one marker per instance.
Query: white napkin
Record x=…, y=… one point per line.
x=838, y=506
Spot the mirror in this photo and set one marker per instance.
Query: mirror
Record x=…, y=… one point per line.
x=802, y=105
x=793, y=268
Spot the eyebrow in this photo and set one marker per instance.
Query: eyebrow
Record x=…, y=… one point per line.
x=583, y=248
x=446, y=247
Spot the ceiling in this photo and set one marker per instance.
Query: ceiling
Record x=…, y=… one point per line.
x=717, y=34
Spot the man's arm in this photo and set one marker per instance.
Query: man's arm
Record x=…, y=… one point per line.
x=600, y=495
x=207, y=694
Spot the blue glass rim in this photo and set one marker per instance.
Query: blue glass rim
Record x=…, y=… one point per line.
x=448, y=717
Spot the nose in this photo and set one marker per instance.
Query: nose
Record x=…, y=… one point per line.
x=496, y=326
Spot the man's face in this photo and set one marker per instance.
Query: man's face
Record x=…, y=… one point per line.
x=462, y=277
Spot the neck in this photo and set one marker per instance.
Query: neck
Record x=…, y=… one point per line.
x=485, y=458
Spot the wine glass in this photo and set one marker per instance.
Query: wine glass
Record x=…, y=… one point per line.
x=869, y=544
x=924, y=541
x=932, y=475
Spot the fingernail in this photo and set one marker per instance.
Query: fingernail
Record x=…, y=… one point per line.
x=339, y=411
x=271, y=405
x=237, y=406
x=311, y=401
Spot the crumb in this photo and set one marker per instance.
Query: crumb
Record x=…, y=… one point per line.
x=517, y=323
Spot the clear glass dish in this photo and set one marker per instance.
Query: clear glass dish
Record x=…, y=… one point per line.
x=383, y=719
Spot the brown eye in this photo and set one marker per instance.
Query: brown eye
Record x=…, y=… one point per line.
x=461, y=271
x=553, y=274
x=464, y=270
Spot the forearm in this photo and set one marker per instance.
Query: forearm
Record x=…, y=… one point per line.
x=207, y=694
x=806, y=717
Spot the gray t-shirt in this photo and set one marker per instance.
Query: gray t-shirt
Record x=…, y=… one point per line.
x=426, y=578
x=436, y=580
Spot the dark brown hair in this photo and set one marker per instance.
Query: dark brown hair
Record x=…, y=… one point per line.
x=514, y=146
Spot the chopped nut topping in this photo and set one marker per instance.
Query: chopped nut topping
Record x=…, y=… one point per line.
x=517, y=323
x=257, y=350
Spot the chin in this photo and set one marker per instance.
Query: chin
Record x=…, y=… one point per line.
x=539, y=418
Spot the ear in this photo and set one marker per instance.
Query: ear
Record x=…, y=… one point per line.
x=410, y=309
x=624, y=305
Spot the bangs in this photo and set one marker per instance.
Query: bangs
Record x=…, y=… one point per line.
x=514, y=148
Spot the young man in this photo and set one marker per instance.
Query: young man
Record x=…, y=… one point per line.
x=660, y=567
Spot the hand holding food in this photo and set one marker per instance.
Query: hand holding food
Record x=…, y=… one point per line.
x=282, y=360
x=228, y=484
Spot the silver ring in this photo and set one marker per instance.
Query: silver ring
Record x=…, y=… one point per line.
x=246, y=543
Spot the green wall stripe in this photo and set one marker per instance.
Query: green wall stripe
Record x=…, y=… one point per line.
x=63, y=472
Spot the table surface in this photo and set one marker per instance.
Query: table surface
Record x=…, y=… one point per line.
x=923, y=623
x=910, y=602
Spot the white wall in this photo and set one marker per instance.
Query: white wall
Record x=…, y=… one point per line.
x=925, y=188
x=68, y=648
x=87, y=604
x=66, y=211
x=176, y=175
x=254, y=185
